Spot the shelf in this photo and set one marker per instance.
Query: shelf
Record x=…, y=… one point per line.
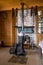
x=25, y=26
x=41, y=27
x=41, y=16
x=40, y=22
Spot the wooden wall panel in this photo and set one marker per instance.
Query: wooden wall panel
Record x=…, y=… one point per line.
x=8, y=31
x=14, y=30
x=6, y=28
x=39, y=36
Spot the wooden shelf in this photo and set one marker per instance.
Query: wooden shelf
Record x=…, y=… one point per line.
x=25, y=26
x=40, y=21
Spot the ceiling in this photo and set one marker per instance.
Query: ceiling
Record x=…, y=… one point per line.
x=9, y=4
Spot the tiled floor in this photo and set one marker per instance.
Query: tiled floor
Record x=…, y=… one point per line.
x=33, y=58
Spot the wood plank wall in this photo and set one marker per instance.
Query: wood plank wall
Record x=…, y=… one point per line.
x=6, y=27
x=8, y=32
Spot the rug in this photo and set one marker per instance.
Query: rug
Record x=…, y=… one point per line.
x=18, y=59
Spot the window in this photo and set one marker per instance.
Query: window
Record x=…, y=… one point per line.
x=19, y=30
x=26, y=30
x=28, y=21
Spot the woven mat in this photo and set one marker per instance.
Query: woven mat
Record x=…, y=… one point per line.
x=18, y=59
